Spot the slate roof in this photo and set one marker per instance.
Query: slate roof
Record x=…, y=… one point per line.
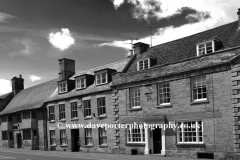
x=118, y=66
x=185, y=48
x=31, y=98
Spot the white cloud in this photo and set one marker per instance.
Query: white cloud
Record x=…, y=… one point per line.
x=4, y=17
x=61, y=40
x=5, y=86
x=34, y=78
x=221, y=12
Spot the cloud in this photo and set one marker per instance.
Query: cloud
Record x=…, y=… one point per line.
x=4, y=17
x=209, y=14
x=5, y=86
x=34, y=78
x=61, y=40
x=23, y=47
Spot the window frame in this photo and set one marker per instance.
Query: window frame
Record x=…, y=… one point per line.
x=130, y=135
x=143, y=64
x=62, y=89
x=74, y=110
x=26, y=115
x=52, y=137
x=5, y=135
x=51, y=114
x=63, y=137
x=27, y=135
x=62, y=113
x=182, y=131
x=101, y=78
x=88, y=108
x=102, y=135
x=205, y=47
x=88, y=138
x=101, y=108
x=163, y=93
x=195, y=91
x=133, y=99
x=79, y=83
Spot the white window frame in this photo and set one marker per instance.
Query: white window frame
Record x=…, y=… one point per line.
x=133, y=97
x=164, y=93
x=102, y=135
x=88, y=136
x=101, y=78
x=101, y=107
x=62, y=111
x=192, y=86
x=61, y=89
x=205, y=47
x=182, y=130
x=63, y=137
x=74, y=110
x=130, y=135
x=51, y=113
x=52, y=137
x=80, y=83
x=143, y=61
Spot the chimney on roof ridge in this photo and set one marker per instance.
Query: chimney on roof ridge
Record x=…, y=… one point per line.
x=140, y=47
x=238, y=17
x=66, y=68
x=17, y=84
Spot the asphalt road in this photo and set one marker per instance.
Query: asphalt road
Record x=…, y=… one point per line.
x=21, y=154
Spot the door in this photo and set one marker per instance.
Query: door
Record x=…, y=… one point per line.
x=75, y=140
x=19, y=140
x=157, y=140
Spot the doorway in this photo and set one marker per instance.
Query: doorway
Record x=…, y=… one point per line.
x=75, y=140
x=157, y=140
x=19, y=140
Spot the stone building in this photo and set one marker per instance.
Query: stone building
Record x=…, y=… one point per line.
x=22, y=120
x=192, y=81
x=82, y=98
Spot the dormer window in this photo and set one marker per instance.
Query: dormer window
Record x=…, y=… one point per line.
x=101, y=78
x=62, y=87
x=146, y=63
x=209, y=46
x=81, y=83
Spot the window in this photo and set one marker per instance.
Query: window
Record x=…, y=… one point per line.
x=205, y=48
x=101, y=78
x=4, y=118
x=144, y=64
x=74, y=111
x=61, y=111
x=136, y=135
x=101, y=106
x=62, y=137
x=81, y=83
x=199, y=88
x=18, y=117
x=51, y=113
x=62, y=87
x=102, y=136
x=88, y=136
x=190, y=132
x=164, y=93
x=26, y=115
x=135, y=97
x=87, y=108
x=34, y=134
x=27, y=134
x=4, y=136
x=52, y=137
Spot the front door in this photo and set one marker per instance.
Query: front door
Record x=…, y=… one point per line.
x=157, y=140
x=19, y=140
x=75, y=140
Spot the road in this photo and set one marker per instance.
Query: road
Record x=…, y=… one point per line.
x=21, y=154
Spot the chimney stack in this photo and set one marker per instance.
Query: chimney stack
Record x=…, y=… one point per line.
x=238, y=18
x=140, y=47
x=17, y=84
x=66, y=68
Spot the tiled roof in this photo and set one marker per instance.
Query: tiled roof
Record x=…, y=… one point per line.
x=185, y=48
x=31, y=98
x=118, y=66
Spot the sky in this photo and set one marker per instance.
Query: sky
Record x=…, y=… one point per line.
x=34, y=34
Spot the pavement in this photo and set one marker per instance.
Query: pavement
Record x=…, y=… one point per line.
x=22, y=154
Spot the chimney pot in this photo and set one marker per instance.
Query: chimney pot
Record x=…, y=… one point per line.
x=140, y=47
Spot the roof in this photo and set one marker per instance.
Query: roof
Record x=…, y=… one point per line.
x=176, y=68
x=185, y=48
x=118, y=66
x=4, y=96
x=31, y=98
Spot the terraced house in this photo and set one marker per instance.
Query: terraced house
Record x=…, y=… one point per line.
x=83, y=98
x=190, y=81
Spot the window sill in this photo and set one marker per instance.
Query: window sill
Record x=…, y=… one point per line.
x=102, y=116
x=135, y=144
x=101, y=84
x=103, y=146
x=191, y=145
x=77, y=89
x=52, y=121
x=163, y=105
x=62, y=120
x=135, y=108
x=74, y=119
x=199, y=101
x=88, y=117
x=89, y=145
